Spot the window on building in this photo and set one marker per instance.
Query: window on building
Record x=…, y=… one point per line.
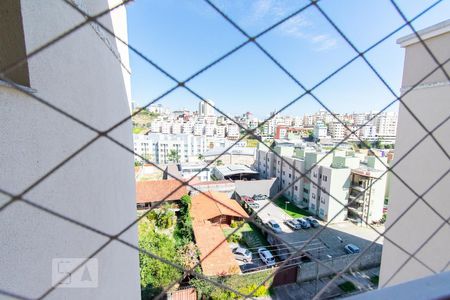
x=313, y=206
x=296, y=188
x=290, y=176
x=12, y=40
x=315, y=174
x=305, y=190
x=313, y=196
x=284, y=173
x=325, y=178
x=321, y=212
x=282, y=181
x=322, y=200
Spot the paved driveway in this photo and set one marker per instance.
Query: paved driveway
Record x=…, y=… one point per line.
x=273, y=212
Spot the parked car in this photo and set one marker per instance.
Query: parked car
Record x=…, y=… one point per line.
x=274, y=226
x=247, y=199
x=254, y=205
x=293, y=224
x=303, y=223
x=243, y=254
x=350, y=248
x=266, y=256
x=259, y=197
x=250, y=267
x=312, y=222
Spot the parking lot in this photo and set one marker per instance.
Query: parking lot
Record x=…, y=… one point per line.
x=335, y=236
x=325, y=245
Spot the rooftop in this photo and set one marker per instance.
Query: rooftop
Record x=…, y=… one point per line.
x=157, y=190
x=426, y=33
x=215, y=254
x=230, y=170
x=205, y=208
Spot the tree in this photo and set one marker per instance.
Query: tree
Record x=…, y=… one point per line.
x=156, y=275
x=219, y=162
x=173, y=156
x=200, y=157
x=183, y=232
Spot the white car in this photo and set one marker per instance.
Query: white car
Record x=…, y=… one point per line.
x=266, y=256
x=274, y=226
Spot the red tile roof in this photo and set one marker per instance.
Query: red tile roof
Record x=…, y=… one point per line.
x=215, y=254
x=208, y=205
x=157, y=190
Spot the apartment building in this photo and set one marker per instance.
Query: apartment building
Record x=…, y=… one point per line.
x=420, y=169
x=86, y=74
x=386, y=124
x=320, y=131
x=157, y=146
x=328, y=181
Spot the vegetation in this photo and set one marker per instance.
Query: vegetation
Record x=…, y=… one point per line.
x=290, y=208
x=219, y=162
x=347, y=287
x=164, y=217
x=183, y=232
x=375, y=279
x=249, y=234
x=245, y=284
x=173, y=156
x=177, y=248
x=156, y=275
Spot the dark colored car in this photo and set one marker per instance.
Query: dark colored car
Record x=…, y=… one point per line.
x=259, y=197
x=312, y=222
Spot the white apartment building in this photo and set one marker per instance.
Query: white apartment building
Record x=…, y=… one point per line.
x=166, y=127
x=86, y=74
x=210, y=130
x=206, y=108
x=156, y=126
x=337, y=130
x=156, y=147
x=232, y=131
x=429, y=239
x=188, y=127
x=329, y=185
x=176, y=128
x=386, y=124
x=199, y=129
x=220, y=131
x=320, y=131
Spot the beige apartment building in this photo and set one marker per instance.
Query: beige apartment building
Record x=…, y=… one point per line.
x=420, y=230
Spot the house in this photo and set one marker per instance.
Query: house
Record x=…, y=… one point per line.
x=216, y=208
x=150, y=192
x=209, y=212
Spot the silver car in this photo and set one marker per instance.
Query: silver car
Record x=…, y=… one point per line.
x=266, y=256
x=241, y=253
x=274, y=226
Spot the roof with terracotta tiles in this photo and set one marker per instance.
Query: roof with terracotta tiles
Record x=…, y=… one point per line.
x=215, y=253
x=208, y=205
x=157, y=190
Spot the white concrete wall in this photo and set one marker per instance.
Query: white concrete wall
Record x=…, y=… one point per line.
x=80, y=75
x=430, y=102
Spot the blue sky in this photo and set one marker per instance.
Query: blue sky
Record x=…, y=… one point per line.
x=183, y=36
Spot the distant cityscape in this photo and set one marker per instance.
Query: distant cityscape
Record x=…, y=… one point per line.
x=191, y=134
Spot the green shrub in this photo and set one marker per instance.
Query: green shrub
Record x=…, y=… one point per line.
x=347, y=287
